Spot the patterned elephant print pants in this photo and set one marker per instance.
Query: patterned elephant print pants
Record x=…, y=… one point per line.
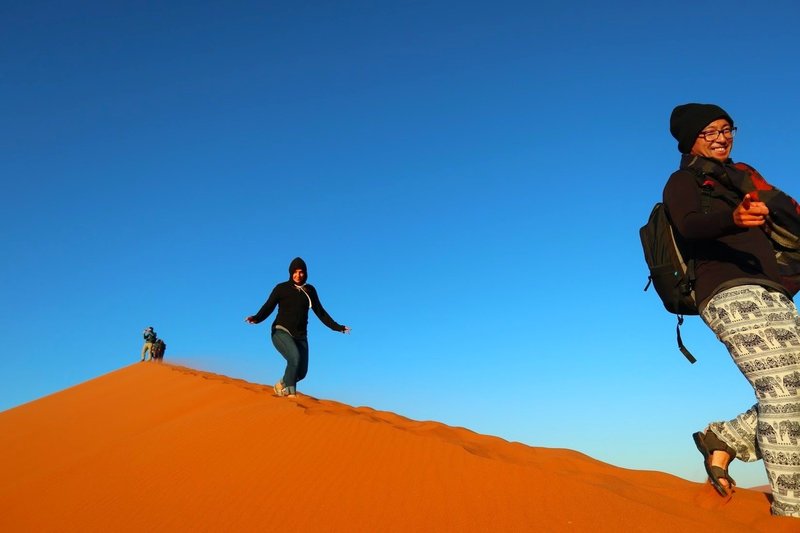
x=761, y=329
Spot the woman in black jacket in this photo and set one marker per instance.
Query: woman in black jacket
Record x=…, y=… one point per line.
x=289, y=330
x=742, y=297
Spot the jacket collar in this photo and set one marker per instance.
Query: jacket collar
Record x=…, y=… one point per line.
x=722, y=171
x=704, y=165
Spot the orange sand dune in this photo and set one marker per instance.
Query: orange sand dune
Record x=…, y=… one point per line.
x=164, y=448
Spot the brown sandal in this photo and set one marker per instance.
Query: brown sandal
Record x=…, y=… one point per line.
x=707, y=443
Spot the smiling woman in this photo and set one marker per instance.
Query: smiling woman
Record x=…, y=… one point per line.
x=716, y=140
x=743, y=300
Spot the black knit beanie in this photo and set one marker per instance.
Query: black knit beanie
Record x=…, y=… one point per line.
x=298, y=263
x=688, y=120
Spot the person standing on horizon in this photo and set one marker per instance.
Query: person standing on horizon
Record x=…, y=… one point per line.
x=742, y=298
x=289, y=330
x=149, y=338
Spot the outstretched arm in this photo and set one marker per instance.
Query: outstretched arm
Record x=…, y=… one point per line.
x=266, y=309
x=323, y=315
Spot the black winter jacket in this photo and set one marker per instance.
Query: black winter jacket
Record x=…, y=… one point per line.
x=293, y=302
x=725, y=254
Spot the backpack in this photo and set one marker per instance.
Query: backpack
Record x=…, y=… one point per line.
x=159, y=347
x=671, y=275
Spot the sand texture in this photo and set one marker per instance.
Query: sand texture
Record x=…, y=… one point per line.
x=155, y=447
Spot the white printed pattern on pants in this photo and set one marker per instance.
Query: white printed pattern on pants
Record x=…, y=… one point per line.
x=761, y=329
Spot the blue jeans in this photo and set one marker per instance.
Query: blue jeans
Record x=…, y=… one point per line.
x=295, y=351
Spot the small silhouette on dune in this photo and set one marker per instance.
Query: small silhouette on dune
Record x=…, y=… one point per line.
x=169, y=448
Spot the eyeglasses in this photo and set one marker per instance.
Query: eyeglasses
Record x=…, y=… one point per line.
x=713, y=135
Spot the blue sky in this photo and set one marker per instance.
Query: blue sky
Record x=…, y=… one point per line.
x=465, y=180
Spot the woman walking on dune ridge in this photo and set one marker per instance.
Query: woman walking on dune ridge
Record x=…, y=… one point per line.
x=725, y=215
x=290, y=329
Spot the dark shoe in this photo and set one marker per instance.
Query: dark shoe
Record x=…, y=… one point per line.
x=707, y=445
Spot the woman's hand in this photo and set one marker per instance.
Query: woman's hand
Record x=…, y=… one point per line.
x=749, y=213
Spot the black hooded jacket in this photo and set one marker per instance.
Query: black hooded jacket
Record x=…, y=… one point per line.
x=293, y=302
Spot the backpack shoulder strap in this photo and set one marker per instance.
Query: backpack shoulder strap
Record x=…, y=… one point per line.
x=705, y=202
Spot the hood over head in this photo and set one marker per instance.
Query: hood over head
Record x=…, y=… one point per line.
x=296, y=263
x=688, y=120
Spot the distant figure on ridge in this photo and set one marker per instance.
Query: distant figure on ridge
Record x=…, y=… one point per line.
x=149, y=338
x=157, y=353
x=289, y=330
x=722, y=212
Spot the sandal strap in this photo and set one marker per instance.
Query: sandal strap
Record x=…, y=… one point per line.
x=722, y=473
x=714, y=443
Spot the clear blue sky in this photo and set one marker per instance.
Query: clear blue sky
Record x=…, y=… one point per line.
x=465, y=180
